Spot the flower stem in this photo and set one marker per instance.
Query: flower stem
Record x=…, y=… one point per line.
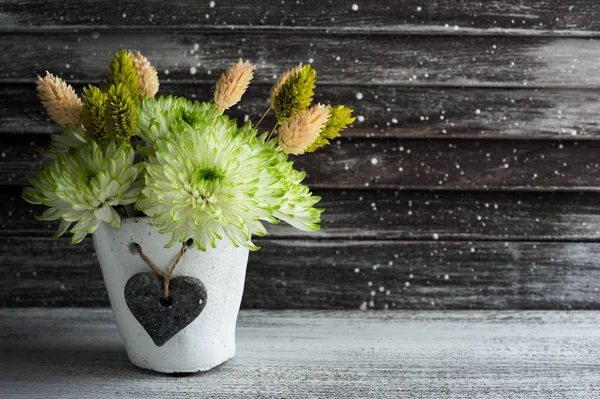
x=272, y=131
x=129, y=210
x=262, y=117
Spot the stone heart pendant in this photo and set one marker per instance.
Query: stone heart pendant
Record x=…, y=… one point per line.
x=161, y=317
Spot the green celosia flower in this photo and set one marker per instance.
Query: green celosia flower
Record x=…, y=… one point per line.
x=339, y=118
x=110, y=111
x=83, y=184
x=94, y=107
x=120, y=115
x=296, y=94
x=122, y=71
x=207, y=178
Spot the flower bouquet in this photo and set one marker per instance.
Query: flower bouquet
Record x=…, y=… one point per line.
x=196, y=177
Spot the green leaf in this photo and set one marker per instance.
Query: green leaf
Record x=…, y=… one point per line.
x=122, y=71
x=120, y=114
x=94, y=106
x=340, y=117
x=296, y=94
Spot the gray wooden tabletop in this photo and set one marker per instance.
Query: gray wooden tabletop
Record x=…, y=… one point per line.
x=75, y=353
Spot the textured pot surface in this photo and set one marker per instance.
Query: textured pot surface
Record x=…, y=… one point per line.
x=207, y=341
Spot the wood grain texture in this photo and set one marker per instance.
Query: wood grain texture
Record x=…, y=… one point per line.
x=353, y=60
x=405, y=215
x=70, y=353
x=577, y=16
x=341, y=274
x=477, y=131
x=391, y=163
x=384, y=110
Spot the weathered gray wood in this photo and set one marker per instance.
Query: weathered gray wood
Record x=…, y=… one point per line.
x=363, y=59
x=389, y=16
x=387, y=214
x=74, y=353
x=478, y=65
x=384, y=110
x=401, y=163
x=312, y=274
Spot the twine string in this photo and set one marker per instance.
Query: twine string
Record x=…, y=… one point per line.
x=166, y=277
x=182, y=252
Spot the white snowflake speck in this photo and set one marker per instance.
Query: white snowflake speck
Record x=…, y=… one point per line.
x=359, y=96
x=354, y=7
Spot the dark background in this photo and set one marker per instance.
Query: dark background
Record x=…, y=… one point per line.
x=469, y=181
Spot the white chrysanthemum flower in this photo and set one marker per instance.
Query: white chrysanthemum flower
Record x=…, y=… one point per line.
x=65, y=140
x=296, y=206
x=207, y=178
x=84, y=184
x=156, y=118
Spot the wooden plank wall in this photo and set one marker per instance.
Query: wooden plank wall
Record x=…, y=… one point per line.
x=470, y=179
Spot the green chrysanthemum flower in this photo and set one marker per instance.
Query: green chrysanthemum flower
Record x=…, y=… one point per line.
x=83, y=184
x=62, y=142
x=158, y=117
x=207, y=178
x=296, y=206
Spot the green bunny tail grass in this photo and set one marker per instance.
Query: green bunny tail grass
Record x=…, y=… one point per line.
x=296, y=94
x=122, y=71
x=340, y=117
x=120, y=114
x=93, y=106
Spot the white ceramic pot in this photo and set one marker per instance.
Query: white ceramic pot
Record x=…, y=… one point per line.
x=207, y=341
